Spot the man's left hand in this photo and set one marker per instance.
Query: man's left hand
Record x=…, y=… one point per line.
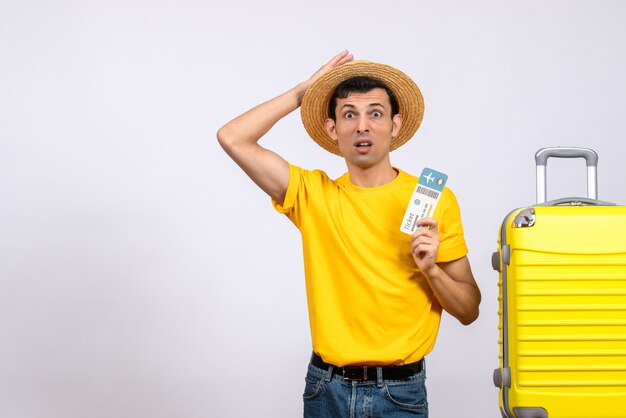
x=425, y=244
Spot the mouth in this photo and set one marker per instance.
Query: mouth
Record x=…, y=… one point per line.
x=363, y=144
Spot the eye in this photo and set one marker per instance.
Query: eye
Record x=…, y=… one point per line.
x=377, y=113
x=348, y=115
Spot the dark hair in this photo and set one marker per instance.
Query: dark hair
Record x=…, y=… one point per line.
x=360, y=84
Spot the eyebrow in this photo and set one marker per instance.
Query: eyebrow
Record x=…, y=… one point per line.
x=351, y=106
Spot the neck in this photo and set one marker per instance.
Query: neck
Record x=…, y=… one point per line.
x=371, y=176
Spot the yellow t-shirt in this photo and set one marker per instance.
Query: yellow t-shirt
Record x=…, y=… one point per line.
x=368, y=303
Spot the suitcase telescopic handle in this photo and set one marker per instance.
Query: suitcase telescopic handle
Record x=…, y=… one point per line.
x=590, y=156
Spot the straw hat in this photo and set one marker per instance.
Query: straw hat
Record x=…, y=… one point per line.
x=314, y=109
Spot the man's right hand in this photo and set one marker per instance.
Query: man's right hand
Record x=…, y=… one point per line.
x=336, y=61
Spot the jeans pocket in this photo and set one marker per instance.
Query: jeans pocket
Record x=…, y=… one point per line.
x=312, y=388
x=409, y=395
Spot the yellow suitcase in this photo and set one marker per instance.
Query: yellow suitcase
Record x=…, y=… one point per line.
x=562, y=304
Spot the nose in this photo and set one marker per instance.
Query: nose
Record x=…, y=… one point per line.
x=362, y=125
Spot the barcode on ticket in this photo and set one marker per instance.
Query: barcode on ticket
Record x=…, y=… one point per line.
x=427, y=192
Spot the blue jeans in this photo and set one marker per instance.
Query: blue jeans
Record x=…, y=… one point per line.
x=327, y=396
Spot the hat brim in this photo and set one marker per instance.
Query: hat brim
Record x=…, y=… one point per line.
x=314, y=108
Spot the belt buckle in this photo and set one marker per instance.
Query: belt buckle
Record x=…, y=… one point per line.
x=354, y=373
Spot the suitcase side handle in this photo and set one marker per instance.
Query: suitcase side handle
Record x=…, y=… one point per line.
x=590, y=156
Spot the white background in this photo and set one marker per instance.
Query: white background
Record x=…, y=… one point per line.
x=143, y=275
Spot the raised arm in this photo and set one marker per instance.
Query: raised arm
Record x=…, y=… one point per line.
x=240, y=136
x=452, y=282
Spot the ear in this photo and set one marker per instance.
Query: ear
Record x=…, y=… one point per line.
x=331, y=129
x=396, y=124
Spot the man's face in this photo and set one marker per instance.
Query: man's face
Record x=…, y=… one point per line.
x=364, y=127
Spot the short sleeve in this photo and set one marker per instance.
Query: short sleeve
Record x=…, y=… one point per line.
x=302, y=185
x=452, y=244
x=292, y=191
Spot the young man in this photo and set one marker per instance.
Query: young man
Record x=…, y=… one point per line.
x=375, y=294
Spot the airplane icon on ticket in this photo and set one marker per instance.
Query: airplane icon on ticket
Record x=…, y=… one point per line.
x=429, y=177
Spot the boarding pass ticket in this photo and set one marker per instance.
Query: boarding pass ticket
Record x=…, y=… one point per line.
x=424, y=200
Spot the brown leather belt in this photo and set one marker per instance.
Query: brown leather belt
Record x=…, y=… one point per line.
x=401, y=372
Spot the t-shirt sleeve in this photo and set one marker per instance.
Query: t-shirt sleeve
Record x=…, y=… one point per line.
x=452, y=244
x=292, y=190
x=296, y=196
